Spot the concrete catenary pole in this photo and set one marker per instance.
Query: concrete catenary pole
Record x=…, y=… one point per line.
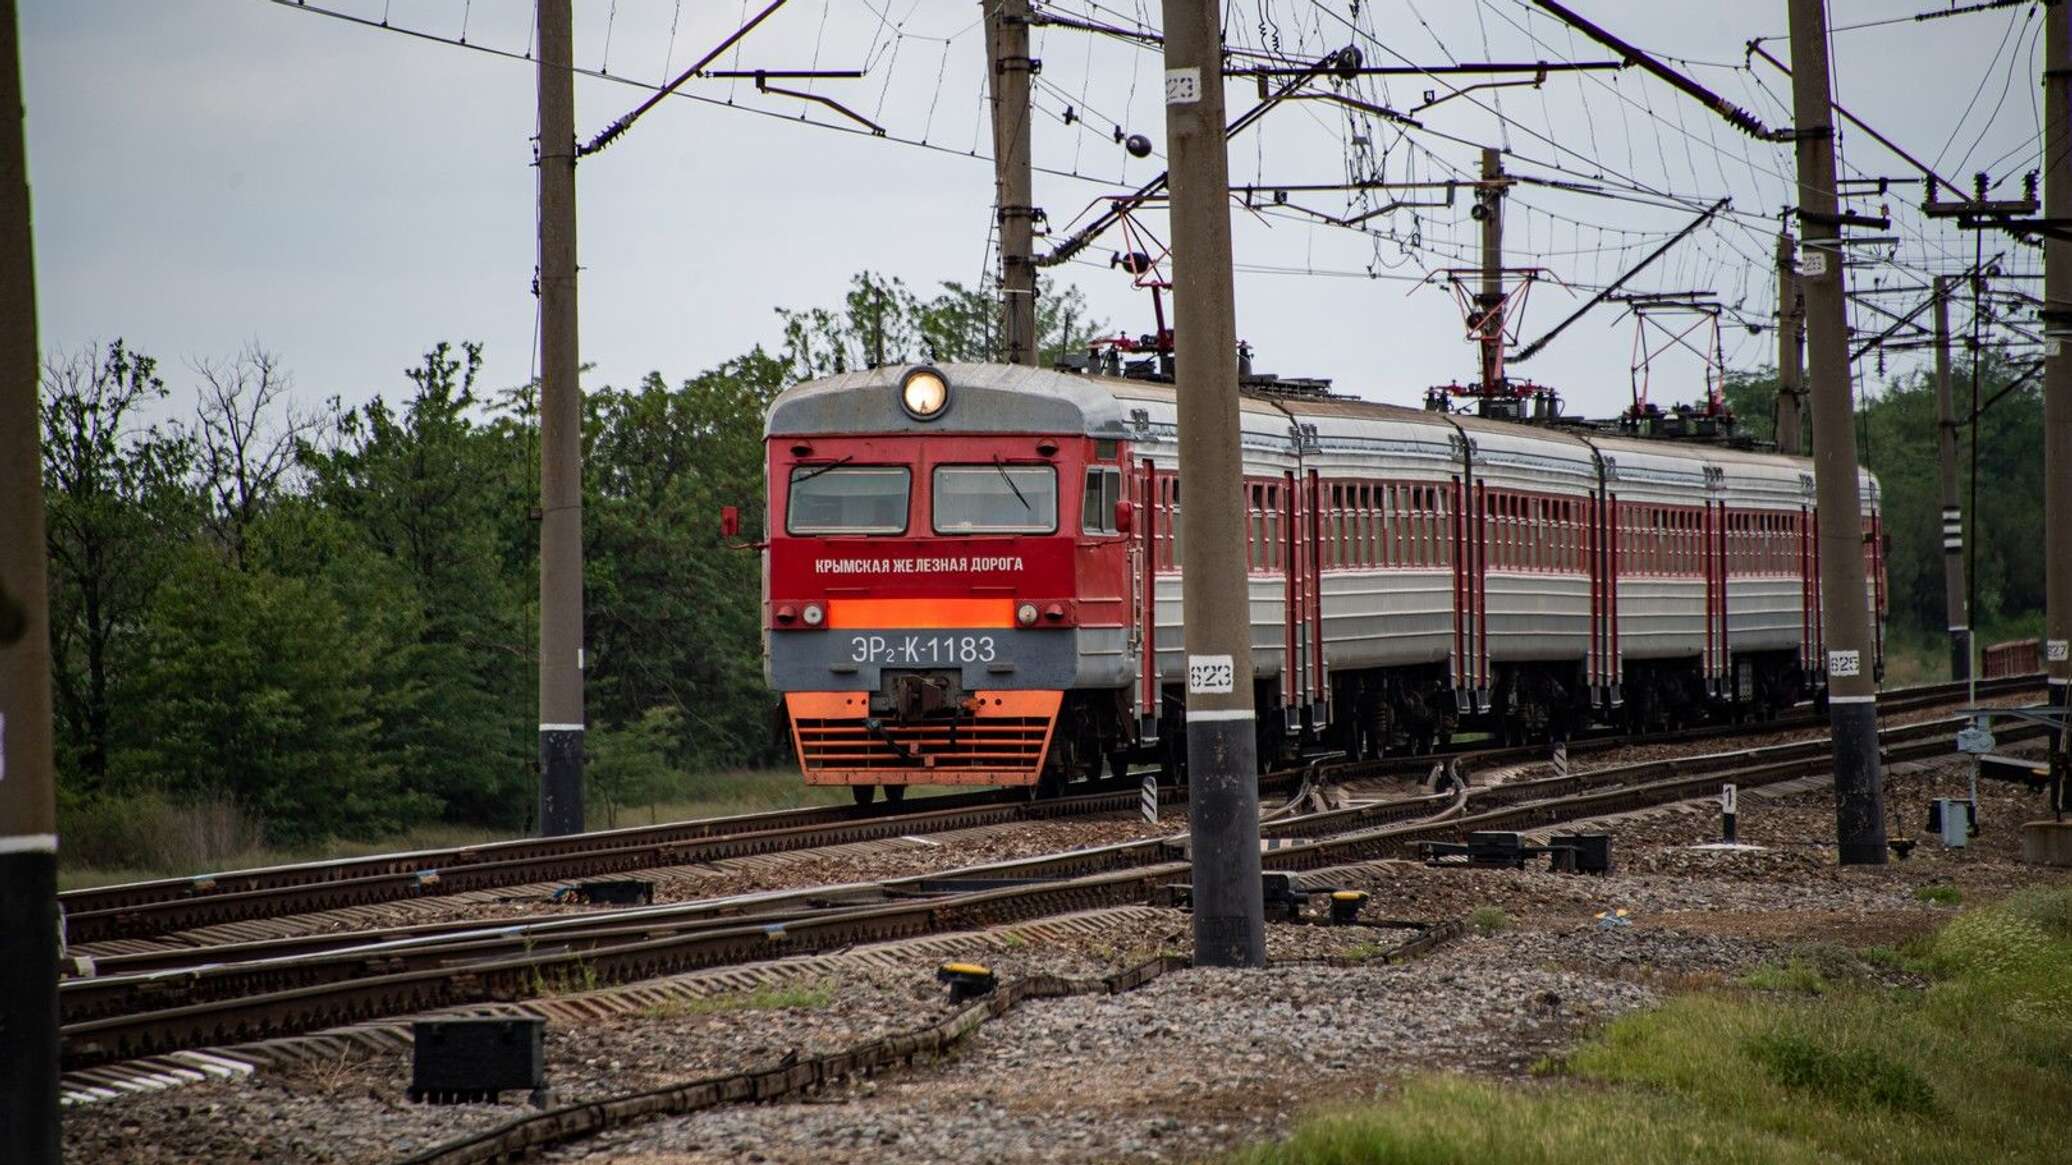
x=1791, y=347
x=2057, y=361
x=561, y=438
x=1957, y=620
x=1008, y=78
x=1222, y=749
x=1844, y=600
x=1490, y=204
x=28, y=813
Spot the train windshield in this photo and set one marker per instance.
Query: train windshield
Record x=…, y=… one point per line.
x=996, y=499
x=848, y=499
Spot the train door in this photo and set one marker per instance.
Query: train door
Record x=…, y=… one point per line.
x=1144, y=490
x=1312, y=555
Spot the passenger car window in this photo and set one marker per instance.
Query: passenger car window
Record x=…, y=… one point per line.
x=996, y=499
x=848, y=499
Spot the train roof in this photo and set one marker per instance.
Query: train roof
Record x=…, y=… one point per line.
x=984, y=398
x=1005, y=398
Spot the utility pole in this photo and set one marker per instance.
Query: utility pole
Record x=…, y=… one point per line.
x=1008, y=79
x=1957, y=620
x=1791, y=347
x=28, y=802
x=1222, y=745
x=1852, y=705
x=561, y=437
x=1489, y=205
x=2057, y=362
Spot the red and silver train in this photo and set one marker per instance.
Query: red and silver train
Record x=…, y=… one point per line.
x=972, y=576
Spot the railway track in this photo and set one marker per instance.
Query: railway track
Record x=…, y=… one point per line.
x=138, y=1015
x=141, y=910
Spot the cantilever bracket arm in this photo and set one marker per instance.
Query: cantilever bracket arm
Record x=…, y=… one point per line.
x=1434, y=97
x=762, y=85
x=1616, y=284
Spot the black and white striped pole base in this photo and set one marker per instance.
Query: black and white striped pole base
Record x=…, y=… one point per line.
x=1147, y=798
x=1560, y=757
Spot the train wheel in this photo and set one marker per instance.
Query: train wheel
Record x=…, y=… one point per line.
x=895, y=793
x=864, y=794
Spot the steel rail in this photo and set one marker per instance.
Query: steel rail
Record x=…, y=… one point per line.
x=144, y=909
x=1115, y=875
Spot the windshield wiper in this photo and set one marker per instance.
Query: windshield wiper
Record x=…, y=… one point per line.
x=809, y=475
x=1001, y=468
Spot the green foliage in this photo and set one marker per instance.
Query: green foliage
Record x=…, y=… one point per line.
x=1796, y=975
x=118, y=508
x=1845, y=1077
x=1948, y=1076
x=881, y=321
x=262, y=696
x=630, y=765
x=1941, y=894
x=1453, y=1120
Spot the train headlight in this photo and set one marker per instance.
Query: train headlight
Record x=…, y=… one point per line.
x=813, y=615
x=924, y=393
x=1025, y=614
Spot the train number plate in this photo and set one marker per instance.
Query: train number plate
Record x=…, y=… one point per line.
x=922, y=650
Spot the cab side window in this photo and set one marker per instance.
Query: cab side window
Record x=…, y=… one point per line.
x=1098, y=503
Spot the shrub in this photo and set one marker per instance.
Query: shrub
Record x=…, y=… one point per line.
x=149, y=831
x=1850, y=1077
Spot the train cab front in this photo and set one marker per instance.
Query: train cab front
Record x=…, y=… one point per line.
x=921, y=592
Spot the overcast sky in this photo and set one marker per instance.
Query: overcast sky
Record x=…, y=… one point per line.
x=208, y=173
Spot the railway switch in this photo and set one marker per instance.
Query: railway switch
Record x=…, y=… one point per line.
x=459, y=1061
x=966, y=980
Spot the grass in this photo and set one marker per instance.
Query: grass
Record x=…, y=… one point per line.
x=1489, y=919
x=1795, y=976
x=140, y=838
x=810, y=996
x=1942, y=894
x=1816, y=1063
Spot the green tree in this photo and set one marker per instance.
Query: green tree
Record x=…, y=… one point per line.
x=881, y=321
x=426, y=488
x=674, y=615
x=262, y=692
x=119, y=507
x=630, y=765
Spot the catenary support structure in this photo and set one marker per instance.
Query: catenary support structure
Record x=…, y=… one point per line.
x=28, y=814
x=1009, y=74
x=1954, y=606
x=1791, y=348
x=1844, y=596
x=561, y=437
x=2057, y=359
x=1222, y=746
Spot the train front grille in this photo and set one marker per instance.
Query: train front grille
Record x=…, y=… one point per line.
x=1000, y=741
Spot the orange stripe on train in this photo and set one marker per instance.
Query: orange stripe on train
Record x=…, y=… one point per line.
x=884, y=614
